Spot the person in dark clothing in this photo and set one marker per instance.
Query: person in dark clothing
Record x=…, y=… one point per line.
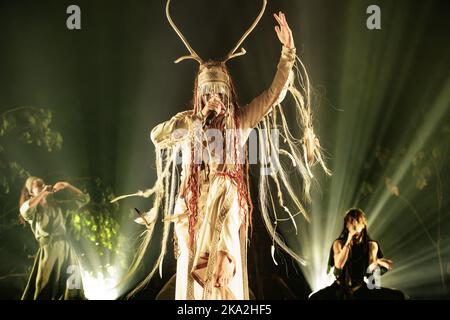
x=354, y=256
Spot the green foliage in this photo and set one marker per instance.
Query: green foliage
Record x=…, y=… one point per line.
x=30, y=126
x=96, y=223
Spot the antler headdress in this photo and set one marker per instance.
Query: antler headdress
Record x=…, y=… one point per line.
x=232, y=54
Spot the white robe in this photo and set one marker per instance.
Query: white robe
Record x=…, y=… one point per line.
x=219, y=222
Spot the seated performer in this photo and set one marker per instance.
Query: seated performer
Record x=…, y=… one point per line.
x=55, y=260
x=354, y=255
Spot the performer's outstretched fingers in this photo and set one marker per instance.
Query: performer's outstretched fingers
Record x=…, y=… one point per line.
x=283, y=17
x=278, y=19
x=277, y=30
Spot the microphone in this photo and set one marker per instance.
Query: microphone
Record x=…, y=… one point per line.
x=210, y=117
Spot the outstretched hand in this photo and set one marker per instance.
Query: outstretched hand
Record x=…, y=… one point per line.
x=60, y=186
x=47, y=190
x=283, y=31
x=388, y=264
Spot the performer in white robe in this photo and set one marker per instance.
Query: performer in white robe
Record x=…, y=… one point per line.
x=210, y=204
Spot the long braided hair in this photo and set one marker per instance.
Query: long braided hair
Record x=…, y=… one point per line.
x=240, y=175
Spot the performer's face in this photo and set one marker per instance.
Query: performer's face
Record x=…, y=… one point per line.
x=216, y=100
x=36, y=187
x=356, y=224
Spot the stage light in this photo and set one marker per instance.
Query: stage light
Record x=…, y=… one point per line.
x=100, y=286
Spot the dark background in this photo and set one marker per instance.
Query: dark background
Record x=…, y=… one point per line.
x=112, y=81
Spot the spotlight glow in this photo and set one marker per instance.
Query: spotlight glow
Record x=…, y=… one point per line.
x=100, y=287
x=390, y=162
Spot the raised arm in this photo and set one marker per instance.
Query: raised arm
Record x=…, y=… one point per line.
x=65, y=185
x=341, y=249
x=28, y=208
x=79, y=200
x=341, y=252
x=36, y=200
x=167, y=133
x=251, y=114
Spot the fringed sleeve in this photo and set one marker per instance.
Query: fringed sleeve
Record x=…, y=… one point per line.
x=166, y=134
x=259, y=106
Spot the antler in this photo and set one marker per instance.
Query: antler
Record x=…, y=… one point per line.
x=193, y=55
x=232, y=53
